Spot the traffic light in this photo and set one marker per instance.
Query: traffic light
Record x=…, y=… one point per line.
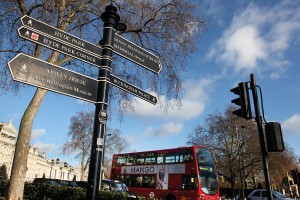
x=243, y=101
x=274, y=137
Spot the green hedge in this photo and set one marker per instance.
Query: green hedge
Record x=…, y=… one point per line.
x=38, y=192
x=3, y=186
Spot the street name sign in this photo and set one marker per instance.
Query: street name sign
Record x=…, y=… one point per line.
x=32, y=71
x=51, y=31
x=132, y=89
x=136, y=54
x=42, y=74
x=57, y=45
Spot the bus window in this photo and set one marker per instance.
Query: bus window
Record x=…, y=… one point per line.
x=130, y=159
x=125, y=179
x=186, y=155
x=121, y=160
x=171, y=158
x=139, y=180
x=150, y=158
x=189, y=182
x=208, y=175
x=140, y=159
x=148, y=181
x=160, y=158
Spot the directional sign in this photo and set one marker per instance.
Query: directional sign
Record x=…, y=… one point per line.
x=32, y=71
x=132, y=89
x=61, y=35
x=65, y=48
x=136, y=54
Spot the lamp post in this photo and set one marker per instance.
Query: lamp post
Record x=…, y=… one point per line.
x=70, y=170
x=57, y=162
x=52, y=163
x=235, y=129
x=62, y=175
x=107, y=135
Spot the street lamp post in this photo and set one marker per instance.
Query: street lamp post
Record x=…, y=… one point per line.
x=52, y=163
x=63, y=171
x=57, y=162
x=107, y=135
x=235, y=129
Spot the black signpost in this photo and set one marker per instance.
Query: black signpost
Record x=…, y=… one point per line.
x=57, y=34
x=136, y=54
x=110, y=19
x=57, y=45
x=32, y=71
x=132, y=89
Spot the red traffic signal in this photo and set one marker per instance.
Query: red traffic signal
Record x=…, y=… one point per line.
x=243, y=101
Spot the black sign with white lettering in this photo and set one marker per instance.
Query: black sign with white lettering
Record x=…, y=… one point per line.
x=32, y=71
x=132, y=89
x=65, y=48
x=136, y=54
x=61, y=35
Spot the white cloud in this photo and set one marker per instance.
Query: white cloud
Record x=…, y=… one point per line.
x=244, y=48
x=168, y=129
x=258, y=38
x=37, y=133
x=291, y=126
x=45, y=147
x=195, y=97
x=148, y=132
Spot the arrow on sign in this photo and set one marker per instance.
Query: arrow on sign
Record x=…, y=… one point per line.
x=136, y=54
x=32, y=71
x=61, y=35
x=132, y=89
x=44, y=40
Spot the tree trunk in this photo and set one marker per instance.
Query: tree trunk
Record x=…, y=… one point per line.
x=82, y=169
x=19, y=167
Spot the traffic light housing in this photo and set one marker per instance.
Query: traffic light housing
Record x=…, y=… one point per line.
x=243, y=101
x=274, y=137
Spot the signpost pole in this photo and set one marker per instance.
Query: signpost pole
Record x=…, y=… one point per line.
x=110, y=19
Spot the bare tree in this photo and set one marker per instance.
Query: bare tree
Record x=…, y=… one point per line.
x=81, y=132
x=236, y=143
x=280, y=163
x=229, y=137
x=114, y=144
x=169, y=29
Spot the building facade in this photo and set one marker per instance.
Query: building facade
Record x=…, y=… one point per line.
x=7, y=144
x=37, y=164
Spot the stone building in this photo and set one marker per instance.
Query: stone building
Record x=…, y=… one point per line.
x=37, y=163
x=7, y=144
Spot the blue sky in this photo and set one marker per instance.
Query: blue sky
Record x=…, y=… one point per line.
x=244, y=37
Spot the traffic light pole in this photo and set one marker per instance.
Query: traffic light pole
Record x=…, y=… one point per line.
x=110, y=19
x=261, y=136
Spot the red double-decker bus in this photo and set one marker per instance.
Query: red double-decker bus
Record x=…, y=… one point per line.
x=185, y=173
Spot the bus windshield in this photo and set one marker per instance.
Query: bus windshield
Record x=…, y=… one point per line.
x=208, y=175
